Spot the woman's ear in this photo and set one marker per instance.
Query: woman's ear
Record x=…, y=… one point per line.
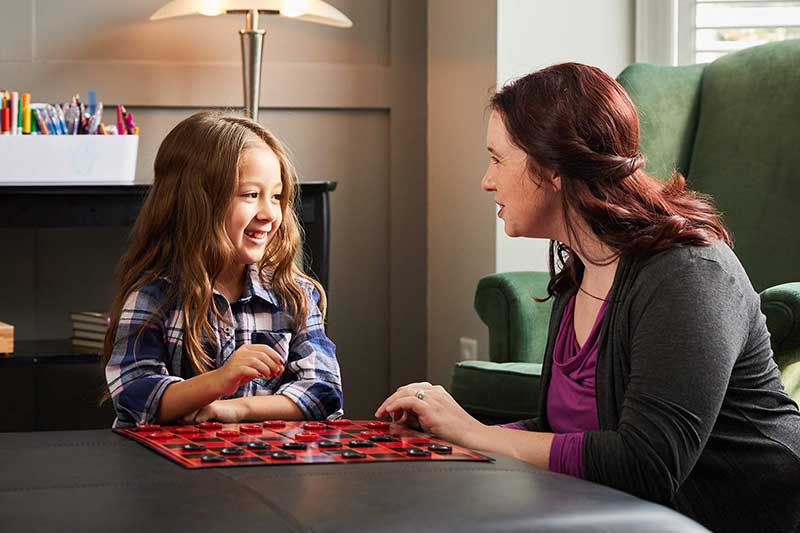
x=554, y=180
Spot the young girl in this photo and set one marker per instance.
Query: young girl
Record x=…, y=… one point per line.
x=212, y=319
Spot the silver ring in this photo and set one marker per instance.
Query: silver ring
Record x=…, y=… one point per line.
x=420, y=394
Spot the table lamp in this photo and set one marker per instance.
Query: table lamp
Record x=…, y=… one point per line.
x=252, y=38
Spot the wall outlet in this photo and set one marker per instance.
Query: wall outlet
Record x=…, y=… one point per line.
x=469, y=348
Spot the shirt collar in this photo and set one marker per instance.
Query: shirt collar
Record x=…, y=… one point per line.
x=255, y=287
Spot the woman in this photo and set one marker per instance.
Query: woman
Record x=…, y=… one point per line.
x=658, y=375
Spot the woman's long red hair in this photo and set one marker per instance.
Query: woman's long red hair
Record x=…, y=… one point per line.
x=578, y=122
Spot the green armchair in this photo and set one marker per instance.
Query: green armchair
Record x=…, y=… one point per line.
x=732, y=127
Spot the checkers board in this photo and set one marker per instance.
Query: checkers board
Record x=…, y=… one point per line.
x=274, y=442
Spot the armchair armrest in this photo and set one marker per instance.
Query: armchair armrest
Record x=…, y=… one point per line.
x=517, y=323
x=781, y=305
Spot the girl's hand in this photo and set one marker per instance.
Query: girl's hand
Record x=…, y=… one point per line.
x=433, y=409
x=225, y=411
x=247, y=363
x=189, y=418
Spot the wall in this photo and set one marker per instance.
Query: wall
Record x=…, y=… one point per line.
x=350, y=104
x=461, y=74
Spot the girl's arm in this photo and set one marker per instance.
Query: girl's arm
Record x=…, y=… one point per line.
x=194, y=396
x=312, y=378
x=136, y=371
x=250, y=409
x=184, y=397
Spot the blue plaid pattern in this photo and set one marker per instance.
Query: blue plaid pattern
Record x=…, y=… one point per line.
x=148, y=359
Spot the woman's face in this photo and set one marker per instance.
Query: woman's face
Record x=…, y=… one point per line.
x=529, y=205
x=255, y=213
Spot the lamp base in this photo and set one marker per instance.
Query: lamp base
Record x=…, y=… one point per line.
x=252, y=40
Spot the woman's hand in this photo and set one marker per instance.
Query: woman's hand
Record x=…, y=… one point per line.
x=434, y=409
x=247, y=363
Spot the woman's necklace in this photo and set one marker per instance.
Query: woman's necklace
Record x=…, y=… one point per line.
x=590, y=294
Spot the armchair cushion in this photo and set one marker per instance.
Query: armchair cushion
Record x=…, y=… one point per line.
x=497, y=392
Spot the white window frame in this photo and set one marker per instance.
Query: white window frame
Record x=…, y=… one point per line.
x=665, y=32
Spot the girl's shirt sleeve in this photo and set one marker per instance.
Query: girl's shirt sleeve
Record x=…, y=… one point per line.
x=136, y=372
x=312, y=378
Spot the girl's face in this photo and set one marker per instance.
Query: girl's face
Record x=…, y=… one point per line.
x=530, y=206
x=255, y=212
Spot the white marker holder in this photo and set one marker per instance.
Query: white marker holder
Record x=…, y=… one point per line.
x=68, y=159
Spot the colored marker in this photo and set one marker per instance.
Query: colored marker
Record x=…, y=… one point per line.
x=5, y=128
x=26, y=113
x=120, y=123
x=14, y=112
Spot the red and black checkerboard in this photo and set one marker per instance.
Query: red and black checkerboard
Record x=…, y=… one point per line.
x=274, y=442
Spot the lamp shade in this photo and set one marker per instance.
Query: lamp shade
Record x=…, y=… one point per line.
x=308, y=10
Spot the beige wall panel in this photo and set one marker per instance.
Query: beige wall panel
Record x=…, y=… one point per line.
x=92, y=32
x=16, y=30
x=408, y=195
x=193, y=61
x=294, y=85
x=461, y=232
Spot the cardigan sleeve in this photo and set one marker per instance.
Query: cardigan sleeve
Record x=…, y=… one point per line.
x=686, y=333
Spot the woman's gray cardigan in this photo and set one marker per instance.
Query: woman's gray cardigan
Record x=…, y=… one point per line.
x=691, y=408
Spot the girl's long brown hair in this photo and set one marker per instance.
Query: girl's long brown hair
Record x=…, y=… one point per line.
x=578, y=122
x=180, y=231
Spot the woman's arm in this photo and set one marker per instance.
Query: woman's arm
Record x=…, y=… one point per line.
x=437, y=412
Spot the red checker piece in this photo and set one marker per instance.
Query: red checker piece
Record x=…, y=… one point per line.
x=378, y=424
x=187, y=430
x=306, y=436
x=367, y=434
x=314, y=425
x=274, y=424
x=250, y=428
x=227, y=433
x=159, y=435
x=147, y=427
x=340, y=422
x=210, y=425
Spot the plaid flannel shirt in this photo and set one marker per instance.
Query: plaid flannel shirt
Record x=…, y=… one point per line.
x=148, y=360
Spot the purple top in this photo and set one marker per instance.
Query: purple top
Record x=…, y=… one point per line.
x=571, y=399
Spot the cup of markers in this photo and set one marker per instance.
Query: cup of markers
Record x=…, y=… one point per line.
x=18, y=116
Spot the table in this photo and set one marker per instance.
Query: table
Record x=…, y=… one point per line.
x=96, y=480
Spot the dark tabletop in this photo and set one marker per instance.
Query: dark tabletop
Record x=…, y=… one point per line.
x=99, y=481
